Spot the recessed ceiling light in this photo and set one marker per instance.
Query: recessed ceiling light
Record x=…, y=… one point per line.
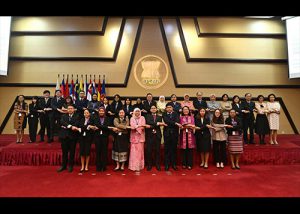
x=259, y=17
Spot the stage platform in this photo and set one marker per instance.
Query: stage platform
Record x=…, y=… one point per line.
x=37, y=154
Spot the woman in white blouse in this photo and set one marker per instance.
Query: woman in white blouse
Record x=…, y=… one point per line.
x=273, y=117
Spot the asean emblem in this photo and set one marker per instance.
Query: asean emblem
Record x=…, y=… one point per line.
x=151, y=72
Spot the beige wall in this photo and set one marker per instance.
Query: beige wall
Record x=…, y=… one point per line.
x=151, y=43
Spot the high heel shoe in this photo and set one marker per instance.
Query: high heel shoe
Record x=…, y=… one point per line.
x=81, y=171
x=276, y=142
x=202, y=165
x=237, y=167
x=116, y=169
x=271, y=142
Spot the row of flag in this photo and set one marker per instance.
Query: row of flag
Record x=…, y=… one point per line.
x=74, y=88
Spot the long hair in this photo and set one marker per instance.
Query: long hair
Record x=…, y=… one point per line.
x=198, y=116
x=23, y=103
x=218, y=120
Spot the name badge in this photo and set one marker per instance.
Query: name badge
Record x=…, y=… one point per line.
x=233, y=133
x=20, y=114
x=84, y=134
x=153, y=131
x=120, y=133
x=101, y=132
x=186, y=130
x=31, y=115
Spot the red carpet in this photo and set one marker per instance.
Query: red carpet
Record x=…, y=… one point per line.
x=250, y=181
x=287, y=152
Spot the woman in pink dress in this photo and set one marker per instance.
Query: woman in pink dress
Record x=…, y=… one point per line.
x=137, y=140
x=187, y=138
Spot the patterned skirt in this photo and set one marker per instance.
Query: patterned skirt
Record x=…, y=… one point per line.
x=235, y=144
x=120, y=148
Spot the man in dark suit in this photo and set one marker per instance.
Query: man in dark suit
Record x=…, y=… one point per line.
x=248, y=107
x=81, y=104
x=199, y=102
x=69, y=135
x=147, y=104
x=153, y=137
x=171, y=118
x=101, y=135
x=56, y=104
x=176, y=105
x=45, y=114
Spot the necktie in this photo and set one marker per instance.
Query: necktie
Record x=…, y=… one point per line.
x=70, y=117
x=154, y=117
x=116, y=106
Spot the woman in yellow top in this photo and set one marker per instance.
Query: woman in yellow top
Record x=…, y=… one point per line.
x=20, y=110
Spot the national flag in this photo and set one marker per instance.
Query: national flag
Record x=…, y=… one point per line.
x=81, y=85
x=90, y=91
x=94, y=87
x=72, y=94
x=57, y=84
x=103, y=93
x=99, y=89
x=76, y=89
x=62, y=87
x=67, y=90
x=85, y=86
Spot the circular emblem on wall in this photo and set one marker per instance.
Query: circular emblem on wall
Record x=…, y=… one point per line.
x=151, y=72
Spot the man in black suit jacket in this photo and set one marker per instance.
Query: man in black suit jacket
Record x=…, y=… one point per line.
x=199, y=102
x=45, y=114
x=171, y=118
x=69, y=134
x=176, y=105
x=248, y=107
x=153, y=137
x=81, y=104
x=101, y=135
x=57, y=103
x=147, y=104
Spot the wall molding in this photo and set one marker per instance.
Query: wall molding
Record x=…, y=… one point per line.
x=75, y=58
x=178, y=85
x=63, y=33
x=236, y=35
x=229, y=60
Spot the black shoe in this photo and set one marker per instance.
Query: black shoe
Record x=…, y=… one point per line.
x=175, y=168
x=166, y=168
x=61, y=169
x=81, y=171
x=70, y=169
x=205, y=167
x=158, y=168
x=237, y=167
x=149, y=168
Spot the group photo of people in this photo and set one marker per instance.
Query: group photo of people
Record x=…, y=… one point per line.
x=141, y=129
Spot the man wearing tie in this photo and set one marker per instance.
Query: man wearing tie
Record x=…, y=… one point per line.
x=199, y=102
x=147, y=104
x=56, y=104
x=45, y=114
x=248, y=107
x=171, y=131
x=81, y=104
x=176, y=105
x=153, y=137
x=69, y=135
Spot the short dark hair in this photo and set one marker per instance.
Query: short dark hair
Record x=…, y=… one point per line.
x=47, y=91
x=169, y=104
x=259, y=96
x=35, y=97
x=149, y=94
x=71, y=105
x=225, y=95
x=57, y=91
x=173, y=95
x=187, y=108
x=247, y=94
x=270, y=96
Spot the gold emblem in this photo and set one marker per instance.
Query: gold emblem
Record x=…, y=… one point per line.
x=151, y=72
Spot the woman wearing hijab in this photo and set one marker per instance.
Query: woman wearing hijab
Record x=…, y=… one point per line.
x=137, y=140
x=161, y=108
